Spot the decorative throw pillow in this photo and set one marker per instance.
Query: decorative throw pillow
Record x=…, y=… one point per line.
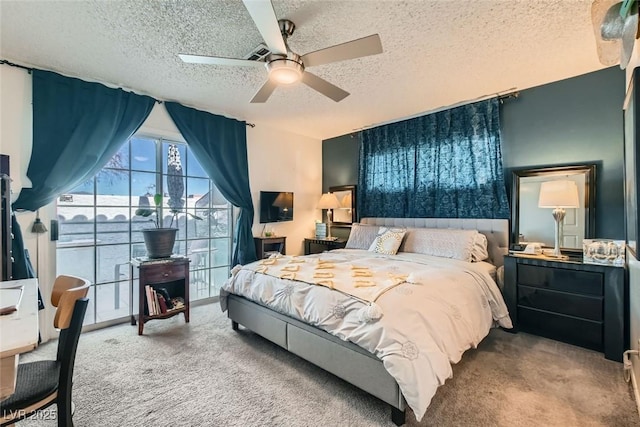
x=479, y=251
x=388, y=241
x=362, y=236
x=441, y=242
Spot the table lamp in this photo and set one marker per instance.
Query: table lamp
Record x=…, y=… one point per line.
x=347, y=201
x=558, y=195
x=329, y=201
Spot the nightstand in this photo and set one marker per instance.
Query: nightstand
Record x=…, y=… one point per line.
x=172, y=274
x=568, y=300
x=315, y=246
x=267, y=246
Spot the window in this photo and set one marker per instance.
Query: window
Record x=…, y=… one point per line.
x=99, y=232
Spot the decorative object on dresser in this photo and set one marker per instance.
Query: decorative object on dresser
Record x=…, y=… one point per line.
x=603, y=251
x=163, y=289
x=346, y=213
x=568, y=300
x=532, y=223
x=267, y=246
x=558, y=195
x=329, y=201
x=314, y=246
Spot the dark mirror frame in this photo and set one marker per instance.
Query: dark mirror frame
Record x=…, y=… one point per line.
x=352, y=189
x=589, y=197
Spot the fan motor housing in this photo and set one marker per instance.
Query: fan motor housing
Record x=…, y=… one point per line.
x=285, y=69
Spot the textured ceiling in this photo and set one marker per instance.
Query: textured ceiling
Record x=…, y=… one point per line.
x=436, y=52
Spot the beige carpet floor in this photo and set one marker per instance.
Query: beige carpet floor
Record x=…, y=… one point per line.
x=205, y=374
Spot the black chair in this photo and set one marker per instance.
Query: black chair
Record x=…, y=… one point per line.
x=43, y=383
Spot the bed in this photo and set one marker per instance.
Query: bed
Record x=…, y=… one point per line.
x=391, y=324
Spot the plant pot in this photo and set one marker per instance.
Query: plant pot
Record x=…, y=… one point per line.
x=159, y=241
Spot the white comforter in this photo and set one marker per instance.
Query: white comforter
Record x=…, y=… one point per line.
x=425, y=326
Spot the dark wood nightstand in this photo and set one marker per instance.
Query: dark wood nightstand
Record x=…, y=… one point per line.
x=266, y=246
x=315, y=246
x=172, y=274
x=570, y=301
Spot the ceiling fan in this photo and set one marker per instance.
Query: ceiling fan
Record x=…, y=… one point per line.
x=286, y=67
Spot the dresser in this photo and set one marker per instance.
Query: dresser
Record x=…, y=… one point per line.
x=570, y=301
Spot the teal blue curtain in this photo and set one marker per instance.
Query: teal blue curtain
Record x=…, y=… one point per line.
x=220, y=145
x=442, y=165
x=77, y=127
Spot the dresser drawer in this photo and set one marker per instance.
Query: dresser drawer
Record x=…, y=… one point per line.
x=164, y=273
x=585, y=333
x=586, y=307
x=560, y=279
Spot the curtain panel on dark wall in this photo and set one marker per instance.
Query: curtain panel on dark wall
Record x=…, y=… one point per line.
x=442, y=165
x=220, y=145
x=77, y=127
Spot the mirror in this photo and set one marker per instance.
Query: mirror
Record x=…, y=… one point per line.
x=346, y=195
x=530, y=223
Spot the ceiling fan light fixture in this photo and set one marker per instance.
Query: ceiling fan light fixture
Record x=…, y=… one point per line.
x=285, y=71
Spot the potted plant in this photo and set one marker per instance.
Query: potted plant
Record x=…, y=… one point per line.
x=160, y=240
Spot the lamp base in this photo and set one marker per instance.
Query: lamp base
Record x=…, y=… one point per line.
x=558, y=216
x=553, y=256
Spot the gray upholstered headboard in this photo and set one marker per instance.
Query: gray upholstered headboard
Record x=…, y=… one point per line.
x=496, y=230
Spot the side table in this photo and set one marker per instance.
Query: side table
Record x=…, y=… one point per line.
x=172, y=274
x=314, y=246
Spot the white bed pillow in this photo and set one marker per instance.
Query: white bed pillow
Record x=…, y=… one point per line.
x=388, y=240
x=362, y=236
x=445, y=243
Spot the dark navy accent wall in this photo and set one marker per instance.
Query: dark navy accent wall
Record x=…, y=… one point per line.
x=577, y=120
x=340, y=161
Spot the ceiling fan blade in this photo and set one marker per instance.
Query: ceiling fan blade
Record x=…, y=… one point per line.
x=265, y=92
x=366, y=46
x=262, y=13
x=324, y=87
x=216, y=60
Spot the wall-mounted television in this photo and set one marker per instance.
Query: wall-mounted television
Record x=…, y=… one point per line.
x=276, y=206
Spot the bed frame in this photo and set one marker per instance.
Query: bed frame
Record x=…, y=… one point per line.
x=342, y=358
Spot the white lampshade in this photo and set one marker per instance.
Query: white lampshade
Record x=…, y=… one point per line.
x=559, y=194
x=346, y=201
x=328, y=201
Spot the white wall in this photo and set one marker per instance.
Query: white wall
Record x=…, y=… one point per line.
x=278, y=160
x=283, y=161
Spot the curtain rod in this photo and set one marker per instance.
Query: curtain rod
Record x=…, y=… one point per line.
x=29, y=70
x=11, y=64
x=512, y=93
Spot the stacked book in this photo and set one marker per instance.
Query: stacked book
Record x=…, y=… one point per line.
x=159, y=301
